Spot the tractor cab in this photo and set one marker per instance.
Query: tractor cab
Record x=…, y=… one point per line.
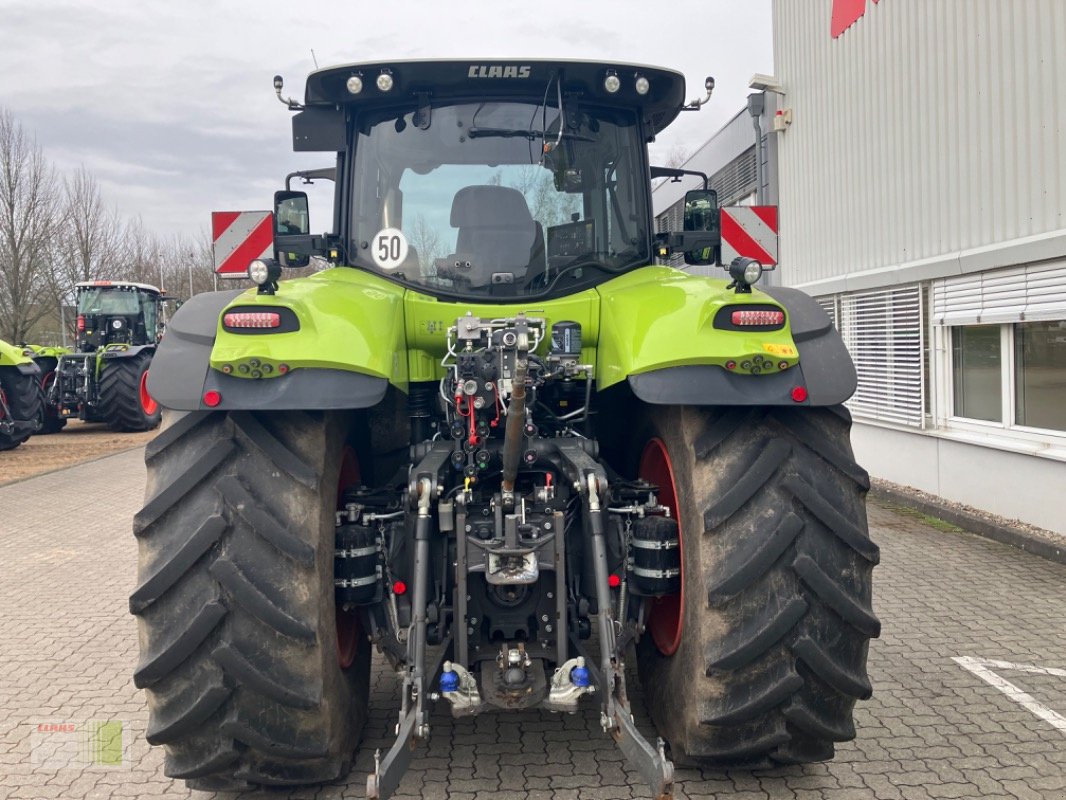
x=485, y=180
x=117, y=312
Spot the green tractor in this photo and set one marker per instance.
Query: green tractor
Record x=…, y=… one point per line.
x=21, y=409
x=119, y=325
x=496, y=443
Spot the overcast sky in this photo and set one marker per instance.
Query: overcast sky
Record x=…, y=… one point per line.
x=170, y=105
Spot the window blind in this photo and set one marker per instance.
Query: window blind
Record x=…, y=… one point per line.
x=883, y=332
x=1033, y=292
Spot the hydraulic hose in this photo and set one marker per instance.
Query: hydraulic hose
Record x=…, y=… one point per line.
x=516, y=419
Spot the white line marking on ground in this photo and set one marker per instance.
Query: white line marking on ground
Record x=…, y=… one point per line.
x=981, y=668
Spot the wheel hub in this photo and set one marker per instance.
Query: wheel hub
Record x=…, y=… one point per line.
x=665, y=614
x=348, y=628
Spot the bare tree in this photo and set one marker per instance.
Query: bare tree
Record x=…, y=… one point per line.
x=90, y=234
x=677, y=156
x=187, y=265
x=548, y=205
x=426, y=242
x=140, y=255
x=28, y=217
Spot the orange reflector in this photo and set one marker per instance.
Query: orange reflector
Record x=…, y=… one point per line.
x=758, y=318
x=252, y=319
x=212, y=398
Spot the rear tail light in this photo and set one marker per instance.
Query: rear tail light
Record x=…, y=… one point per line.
x=743, y=318
x=252, y=319
x=81, y=322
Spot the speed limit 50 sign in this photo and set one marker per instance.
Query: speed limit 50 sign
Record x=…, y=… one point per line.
x=389, y=248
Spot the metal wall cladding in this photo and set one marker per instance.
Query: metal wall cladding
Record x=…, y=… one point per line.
x=927, y=128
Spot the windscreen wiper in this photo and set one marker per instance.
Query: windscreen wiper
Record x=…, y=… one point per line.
x=591, y=263
x=521, y=133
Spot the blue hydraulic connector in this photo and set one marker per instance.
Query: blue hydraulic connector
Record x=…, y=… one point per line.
x=449, y=681
x=579, y=675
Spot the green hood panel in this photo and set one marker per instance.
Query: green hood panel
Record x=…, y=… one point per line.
x=48, y=351
x=659, y=317
x=12, y=356
x=428, y=320
x=350, y=320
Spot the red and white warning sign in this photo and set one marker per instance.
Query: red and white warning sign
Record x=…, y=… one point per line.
x=239, y=238
x=750, y=231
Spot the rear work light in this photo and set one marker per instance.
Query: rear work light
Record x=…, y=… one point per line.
x=745, y=318
x=252, y=319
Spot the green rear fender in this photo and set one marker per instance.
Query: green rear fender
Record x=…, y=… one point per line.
x=659, y=317
x=13, y=356
x=349, y=320
x=340, y=345
x=669, y=335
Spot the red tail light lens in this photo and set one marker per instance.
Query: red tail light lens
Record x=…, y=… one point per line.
x=252, y=319
x=741, y=318
x=81, y=322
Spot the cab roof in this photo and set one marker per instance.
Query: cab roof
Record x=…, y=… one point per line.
x=144, y=287
x=526, y=79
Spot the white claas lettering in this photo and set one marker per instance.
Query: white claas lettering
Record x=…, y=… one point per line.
x=485, y=71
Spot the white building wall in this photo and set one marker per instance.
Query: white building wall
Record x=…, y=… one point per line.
x=927, y=153
x=1016, y=485
x=928, y=129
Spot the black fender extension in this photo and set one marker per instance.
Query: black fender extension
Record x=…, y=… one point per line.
x=181, y=371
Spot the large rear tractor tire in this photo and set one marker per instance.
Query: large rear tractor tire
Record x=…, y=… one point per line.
x=761, y=658
x=247, y=683
x=52, y=421
x=22, y=396
x=124, y=399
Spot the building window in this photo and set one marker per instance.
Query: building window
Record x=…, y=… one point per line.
x=1040, y=375
x=976, y=365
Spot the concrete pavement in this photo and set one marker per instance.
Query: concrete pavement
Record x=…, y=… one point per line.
x=991, y=724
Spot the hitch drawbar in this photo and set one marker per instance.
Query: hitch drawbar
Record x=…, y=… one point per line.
x=576, y=676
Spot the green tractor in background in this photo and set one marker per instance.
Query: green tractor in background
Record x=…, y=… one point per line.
x=21, y=408
x=119, y=325
x=491, y=433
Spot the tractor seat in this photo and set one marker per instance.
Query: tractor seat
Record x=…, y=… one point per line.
x=496, y=235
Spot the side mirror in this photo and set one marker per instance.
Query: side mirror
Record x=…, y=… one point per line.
x=702, y=216
x=290, y=213
x=292, y=229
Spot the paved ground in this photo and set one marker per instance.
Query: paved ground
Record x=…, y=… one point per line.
x=77, y=442
x=933, y=729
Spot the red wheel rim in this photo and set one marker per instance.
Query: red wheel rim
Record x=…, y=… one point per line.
x=348, y=627
x=148, y=404
x=3, y=403
x=665, y=614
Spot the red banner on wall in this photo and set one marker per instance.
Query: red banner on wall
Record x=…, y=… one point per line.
x=845, y=14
